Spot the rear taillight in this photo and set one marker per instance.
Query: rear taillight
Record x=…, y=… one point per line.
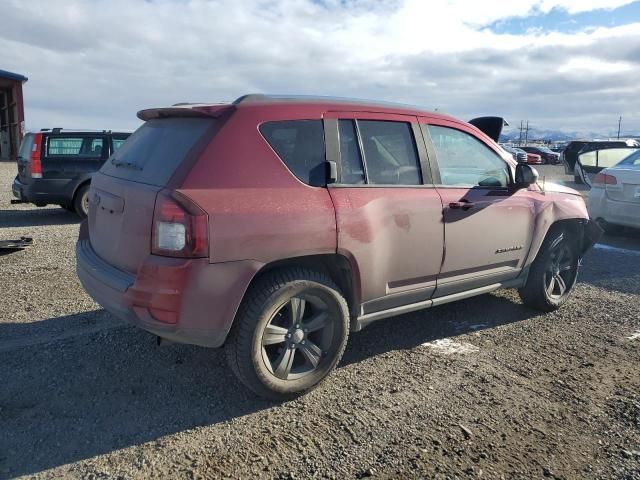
x=180, y=227
x=36, y=162
x=604, y=179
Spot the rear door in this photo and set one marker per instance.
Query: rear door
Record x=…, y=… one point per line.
x=70, y=155
x=388, y=214
x=488, y=225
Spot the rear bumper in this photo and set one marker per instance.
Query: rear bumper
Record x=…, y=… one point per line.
x=183, y=300
x=43, y=191
x=613, y=211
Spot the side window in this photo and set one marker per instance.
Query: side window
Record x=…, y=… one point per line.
x=117, y=143
x=465, y=161
x=300, y=145
x=389, y=153
x=74, y=146
x=350, y=157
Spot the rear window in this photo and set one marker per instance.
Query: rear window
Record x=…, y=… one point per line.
x=117, y=143
x=300, y=145
x=154, y=151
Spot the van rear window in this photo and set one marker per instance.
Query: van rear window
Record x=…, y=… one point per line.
x=154, y=151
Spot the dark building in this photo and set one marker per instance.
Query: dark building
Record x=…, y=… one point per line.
x=11, y=114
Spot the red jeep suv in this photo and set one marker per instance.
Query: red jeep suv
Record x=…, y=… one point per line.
x=275, y=226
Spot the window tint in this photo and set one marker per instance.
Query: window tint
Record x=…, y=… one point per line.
x=389, y=153
x=350, y=158
x=154, y=151
x=74, y=146
x=300, y=145
x=464, y=160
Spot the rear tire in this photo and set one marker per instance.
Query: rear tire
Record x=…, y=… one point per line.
x=553, y=273
x=290, y=333
x=81, y=202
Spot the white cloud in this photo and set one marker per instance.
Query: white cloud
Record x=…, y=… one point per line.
x=95, y=63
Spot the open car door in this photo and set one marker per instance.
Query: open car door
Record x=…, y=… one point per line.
x=592, y=160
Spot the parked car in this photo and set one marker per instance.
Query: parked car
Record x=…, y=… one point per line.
x=534, y=159
x=547, y=155
x=275, y=226
x=55, y=166
x=572, y=166
x=520, y=156
x=614, y=199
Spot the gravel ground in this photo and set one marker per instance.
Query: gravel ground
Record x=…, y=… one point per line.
x=481, y=388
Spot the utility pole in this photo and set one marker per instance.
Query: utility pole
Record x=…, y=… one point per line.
x=619, y=123
x=520, y=140
x=526, y=134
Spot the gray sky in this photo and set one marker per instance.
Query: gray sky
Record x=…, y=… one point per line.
x=567, y=64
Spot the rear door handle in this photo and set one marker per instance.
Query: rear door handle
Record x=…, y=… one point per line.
x=461, y=205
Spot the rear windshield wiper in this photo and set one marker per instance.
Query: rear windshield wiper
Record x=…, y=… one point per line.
x=123, y=163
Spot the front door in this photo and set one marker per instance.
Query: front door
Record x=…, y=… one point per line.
x=388, y=214
x=488, y=224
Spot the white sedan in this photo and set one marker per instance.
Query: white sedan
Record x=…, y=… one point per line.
x=615, y=194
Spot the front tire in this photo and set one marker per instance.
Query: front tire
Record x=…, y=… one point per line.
x=289, y=334
x=553, y=273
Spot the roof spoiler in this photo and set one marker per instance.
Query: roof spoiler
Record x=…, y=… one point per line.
x=490, y=126
x=184, y=110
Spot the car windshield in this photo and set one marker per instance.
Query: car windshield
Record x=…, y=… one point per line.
x=545, y=149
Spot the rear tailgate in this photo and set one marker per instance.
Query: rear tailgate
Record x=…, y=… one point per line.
x=123, y=193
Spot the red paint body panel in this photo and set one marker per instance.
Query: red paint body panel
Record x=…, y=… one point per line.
x=534, y=159
x=257, y=208
x=378, y=227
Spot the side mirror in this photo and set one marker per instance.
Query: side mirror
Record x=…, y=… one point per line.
x=525, y=175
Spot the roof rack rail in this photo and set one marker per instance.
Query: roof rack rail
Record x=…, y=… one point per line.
x=56, y=130
x=250, y=97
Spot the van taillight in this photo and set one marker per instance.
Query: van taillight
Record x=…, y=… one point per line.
x=36, y=162
x=604, y=179
x=180, y=227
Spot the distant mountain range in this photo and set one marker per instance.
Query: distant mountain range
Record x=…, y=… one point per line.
x=513, y=135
